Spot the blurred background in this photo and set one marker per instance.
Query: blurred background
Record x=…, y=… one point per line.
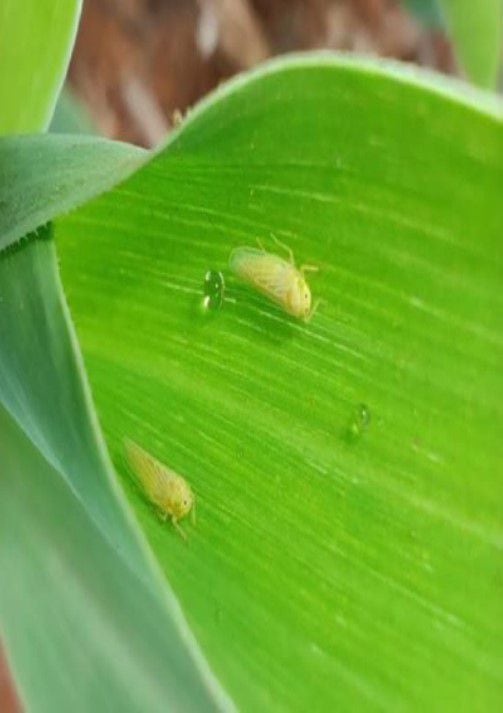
x=138, y=64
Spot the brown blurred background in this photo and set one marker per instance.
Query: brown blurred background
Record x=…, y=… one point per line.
x=138, y=62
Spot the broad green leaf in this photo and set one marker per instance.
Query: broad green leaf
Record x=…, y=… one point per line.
x=36, y=39
x=356, y=572
x=476, y=31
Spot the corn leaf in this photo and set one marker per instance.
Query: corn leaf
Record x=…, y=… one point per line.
x=346, y=470
x=36, y=39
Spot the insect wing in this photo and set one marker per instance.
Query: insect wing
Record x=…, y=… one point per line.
x=266, y=272
x=148, y=471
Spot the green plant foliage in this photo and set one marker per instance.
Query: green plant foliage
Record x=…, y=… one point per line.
x=70, y=170
x=71, y=116
x=348, y=536
x=476, y=30
x=36, y=38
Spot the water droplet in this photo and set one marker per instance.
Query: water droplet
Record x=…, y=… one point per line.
x=213, y=291
x=358, y=423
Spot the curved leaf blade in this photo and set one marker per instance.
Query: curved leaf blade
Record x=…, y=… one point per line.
x=41, y=177
x=323, y=560
x=36, y=39
x=476, y=30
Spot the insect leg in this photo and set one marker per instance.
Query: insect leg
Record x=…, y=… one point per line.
x=285, y=248
x=178, y=528
x=313, y=310
x=261, y=245
x=193, y=513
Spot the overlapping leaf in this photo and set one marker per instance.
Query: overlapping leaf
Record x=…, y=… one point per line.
x=85, y=618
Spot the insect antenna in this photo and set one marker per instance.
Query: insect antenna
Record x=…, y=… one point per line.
x=178, y=528
x=308, y=268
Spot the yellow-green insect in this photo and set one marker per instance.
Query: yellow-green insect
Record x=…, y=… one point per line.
x=276, y=278
x=167, y=490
